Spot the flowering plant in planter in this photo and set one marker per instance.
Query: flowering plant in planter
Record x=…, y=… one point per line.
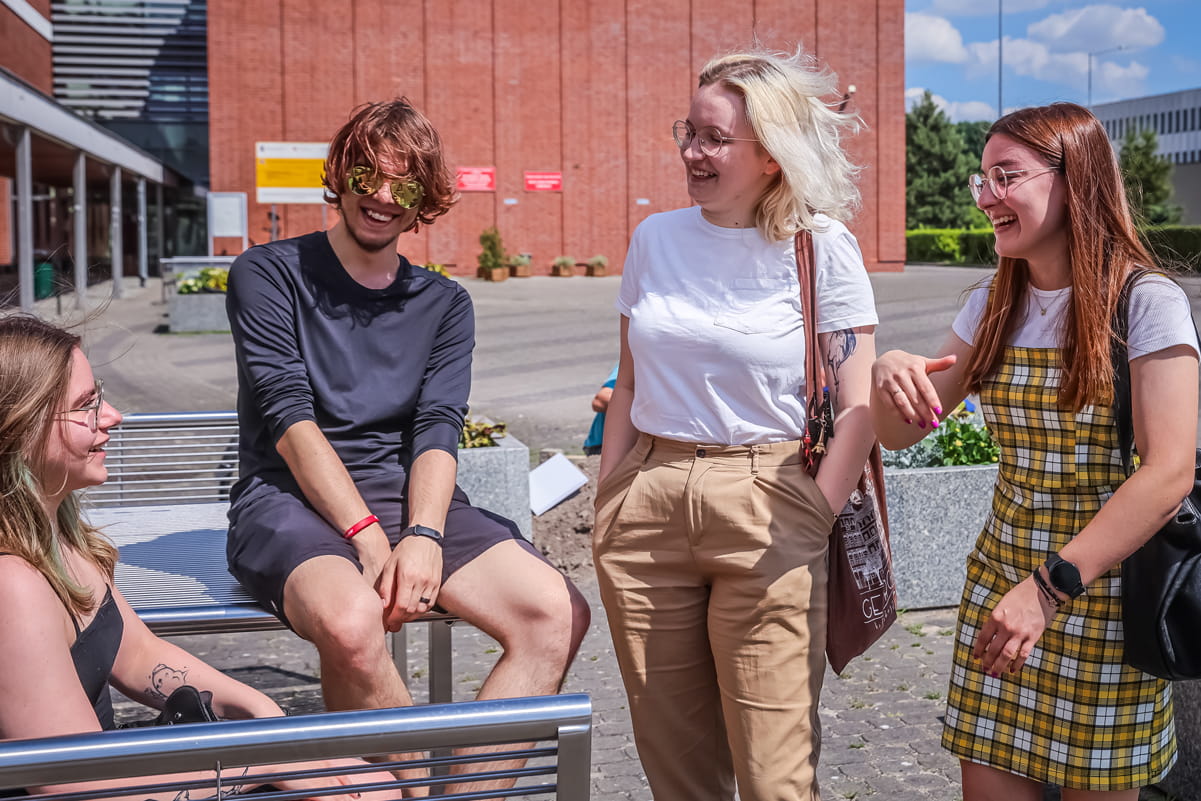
x=480, y=433
x=204, y=280
x=961, y=439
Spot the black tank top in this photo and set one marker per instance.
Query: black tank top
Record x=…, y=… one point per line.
x=94, y=652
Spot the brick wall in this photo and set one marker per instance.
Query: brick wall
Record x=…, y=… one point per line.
x=26, y=53
x=589, y=89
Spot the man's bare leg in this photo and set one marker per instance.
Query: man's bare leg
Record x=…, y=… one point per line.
x=534, y=612
x=330, y=604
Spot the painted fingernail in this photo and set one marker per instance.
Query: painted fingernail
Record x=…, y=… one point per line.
x=938, y=410
x=907, y=420
x=994, y=675
x=921, y=423
x=933, y=424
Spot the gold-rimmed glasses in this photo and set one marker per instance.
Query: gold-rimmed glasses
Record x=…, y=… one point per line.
x=91, y=410
x=406, y=191
x=999, y=180
x=709, y=139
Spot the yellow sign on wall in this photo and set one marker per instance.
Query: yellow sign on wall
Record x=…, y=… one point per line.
x=289, y=172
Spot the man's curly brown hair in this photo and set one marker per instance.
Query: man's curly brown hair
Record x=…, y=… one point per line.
x=394, y=133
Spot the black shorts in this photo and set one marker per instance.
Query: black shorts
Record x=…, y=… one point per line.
x=277, y=531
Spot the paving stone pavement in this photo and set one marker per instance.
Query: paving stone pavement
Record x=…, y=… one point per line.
x=881, y=720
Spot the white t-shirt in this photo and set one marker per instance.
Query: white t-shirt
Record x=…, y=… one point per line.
x=1160, y=317
x=716, y=330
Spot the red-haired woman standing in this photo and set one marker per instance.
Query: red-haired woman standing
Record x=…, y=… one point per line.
x=1038, y=690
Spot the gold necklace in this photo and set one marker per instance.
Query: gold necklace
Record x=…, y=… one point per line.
x=1042, y=310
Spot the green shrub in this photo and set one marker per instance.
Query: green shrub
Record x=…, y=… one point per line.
x=932, y=244
x=1175, y=246
x=493, y=253
x=976, y=246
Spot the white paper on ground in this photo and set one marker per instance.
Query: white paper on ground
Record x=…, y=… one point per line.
x=553, y=482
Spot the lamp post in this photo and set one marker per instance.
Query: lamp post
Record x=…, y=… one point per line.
x=1090, y=68
x=1000, y=57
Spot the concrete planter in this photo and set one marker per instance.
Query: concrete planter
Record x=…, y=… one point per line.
x=498, y=479
x=202, y=311
x=935, y=515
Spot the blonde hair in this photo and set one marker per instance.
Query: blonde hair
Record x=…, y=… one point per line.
x=35, y=370
x=783, y=95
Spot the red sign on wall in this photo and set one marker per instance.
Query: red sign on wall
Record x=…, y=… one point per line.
x=476, y=179
x=544, y=182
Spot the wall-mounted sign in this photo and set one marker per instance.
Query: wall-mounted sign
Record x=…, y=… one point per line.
x=289, y=172
x=543, y=181
x=476, y=179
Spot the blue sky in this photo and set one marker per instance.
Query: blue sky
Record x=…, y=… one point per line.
x=951, y=49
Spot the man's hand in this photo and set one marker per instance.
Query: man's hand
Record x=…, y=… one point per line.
x=371, y=546
x=410, y=580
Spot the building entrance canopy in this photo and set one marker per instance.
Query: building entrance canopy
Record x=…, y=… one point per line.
x=43, y=140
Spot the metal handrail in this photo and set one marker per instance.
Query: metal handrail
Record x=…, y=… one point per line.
x=566, y=719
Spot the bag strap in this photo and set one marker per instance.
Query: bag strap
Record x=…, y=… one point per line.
x=806, y=274
x=1119, y=348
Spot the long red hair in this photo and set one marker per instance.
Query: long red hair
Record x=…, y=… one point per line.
x=1103, y=246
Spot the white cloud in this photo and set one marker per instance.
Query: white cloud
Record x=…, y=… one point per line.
x=1036, y=60
x=976, y=8
x=967, y=111
x=931, y=38
x=1099, y=27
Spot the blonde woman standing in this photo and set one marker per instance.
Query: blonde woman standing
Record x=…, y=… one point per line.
x=710, y=538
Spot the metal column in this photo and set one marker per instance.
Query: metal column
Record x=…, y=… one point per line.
x=25, y=219
x=116, y=246
x=143, y=245
x=80, y=234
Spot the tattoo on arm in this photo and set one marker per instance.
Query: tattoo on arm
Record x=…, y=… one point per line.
x=841, y=346
x=165, y=680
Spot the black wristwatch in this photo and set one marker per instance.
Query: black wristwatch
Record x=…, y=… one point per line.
x=422, y=531
x=1065, y=577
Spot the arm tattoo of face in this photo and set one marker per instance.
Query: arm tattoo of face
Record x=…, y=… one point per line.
x=841, y=345
x=165, y=680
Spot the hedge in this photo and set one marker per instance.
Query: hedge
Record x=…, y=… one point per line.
x=1173, y=246
x=950, y=245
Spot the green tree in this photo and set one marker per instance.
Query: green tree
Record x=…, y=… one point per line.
x=937, y=167
x=973, y=134
x=1148, y=178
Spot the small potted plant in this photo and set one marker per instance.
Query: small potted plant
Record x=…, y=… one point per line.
x=519, y=265
x=493, y=263
x=597, y=266
x=563, y=267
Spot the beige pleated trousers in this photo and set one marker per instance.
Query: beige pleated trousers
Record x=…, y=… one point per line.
x=712, y=569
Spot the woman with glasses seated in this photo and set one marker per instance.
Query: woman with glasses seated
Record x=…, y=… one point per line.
x=710, y=538
x=1039, y=692
x=68, y=633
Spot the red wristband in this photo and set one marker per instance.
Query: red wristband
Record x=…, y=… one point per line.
x=359, y=526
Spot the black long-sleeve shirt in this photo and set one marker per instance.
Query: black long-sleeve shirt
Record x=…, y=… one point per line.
x=385, y=373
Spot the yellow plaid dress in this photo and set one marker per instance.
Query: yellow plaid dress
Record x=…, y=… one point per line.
x=1075, y=715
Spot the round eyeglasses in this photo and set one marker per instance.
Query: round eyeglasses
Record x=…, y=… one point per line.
x=708, y=139
x=91, y=410
x=999, y=181
x=406, y=192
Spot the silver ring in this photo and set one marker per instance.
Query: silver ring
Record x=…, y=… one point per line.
x=898, y=389
x=423, y=600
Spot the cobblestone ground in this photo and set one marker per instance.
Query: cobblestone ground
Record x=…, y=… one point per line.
x=881, y=720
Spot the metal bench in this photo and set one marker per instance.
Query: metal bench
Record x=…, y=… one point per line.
x=559, y=762
x=164, y=506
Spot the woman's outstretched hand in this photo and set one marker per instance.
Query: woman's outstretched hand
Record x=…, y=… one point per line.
x=1015, y=626
x=902, y=379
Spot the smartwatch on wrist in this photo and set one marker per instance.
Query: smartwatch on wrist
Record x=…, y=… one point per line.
x=422, y=531
x=1065, y=577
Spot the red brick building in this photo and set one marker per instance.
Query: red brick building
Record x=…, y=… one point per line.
x=585, y=88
